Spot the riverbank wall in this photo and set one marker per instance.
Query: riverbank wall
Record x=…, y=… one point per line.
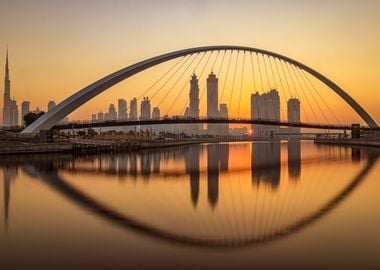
x=364, y=142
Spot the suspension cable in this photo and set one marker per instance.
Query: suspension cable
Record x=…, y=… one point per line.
x=315, y=89
x=262, y=83
x=241, y=83
x=170, y=89
x=157, y=81
x=282, y=87
x=253, y=72
x=275, y=113
x=315, y=100
x=295, y=88
x=225, y=80
x=307, y=99
x=162, y=86
x=181, y=90
x=233, y=81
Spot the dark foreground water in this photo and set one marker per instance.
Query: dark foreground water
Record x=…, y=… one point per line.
x=265, y=205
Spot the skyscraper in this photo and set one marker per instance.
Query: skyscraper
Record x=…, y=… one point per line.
x=122, y=109
x=133, y=110
x=223, y=113
x=194, y=97
x=145, y=109
x=156, y=113
x=10, y=110
x=25, y=109
x=265, y=107
x=294, y=114
x=193, y=110
x=212, y=100
x=112, y=112
x=51, y=105
x=100, y=116
x=7, y=96
x=14, y=113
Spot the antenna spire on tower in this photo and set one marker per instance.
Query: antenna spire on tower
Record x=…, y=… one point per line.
x=7, y=65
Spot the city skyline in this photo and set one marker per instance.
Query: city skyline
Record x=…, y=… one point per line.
x=262, y=106
x=352, y=69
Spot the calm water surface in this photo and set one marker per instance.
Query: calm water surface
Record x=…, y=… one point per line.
x=272, y=205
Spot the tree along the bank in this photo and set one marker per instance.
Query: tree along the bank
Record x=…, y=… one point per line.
x=31, y=117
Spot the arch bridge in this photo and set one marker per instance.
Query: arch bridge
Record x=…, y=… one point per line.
x=52, y=117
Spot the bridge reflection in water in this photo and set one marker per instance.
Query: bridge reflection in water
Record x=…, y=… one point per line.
x=237, y=194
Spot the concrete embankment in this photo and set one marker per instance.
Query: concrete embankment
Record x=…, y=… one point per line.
x=350, y=142
x=11, y=146
x=99, y=146
x=33, y=148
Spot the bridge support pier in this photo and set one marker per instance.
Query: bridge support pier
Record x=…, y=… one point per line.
x=355, y=131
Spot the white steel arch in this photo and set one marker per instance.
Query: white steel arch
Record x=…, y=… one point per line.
x=73, y=102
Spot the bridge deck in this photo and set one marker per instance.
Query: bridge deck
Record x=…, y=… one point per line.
x=115, y=123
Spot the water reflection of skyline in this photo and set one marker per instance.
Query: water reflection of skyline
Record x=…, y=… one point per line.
x=216, y=165
x=9, y=175
x=265, y=165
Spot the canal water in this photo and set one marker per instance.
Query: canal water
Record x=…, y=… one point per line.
x=262, y=205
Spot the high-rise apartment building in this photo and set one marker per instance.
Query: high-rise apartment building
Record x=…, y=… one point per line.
x=133, y=109
x=265, y=107
x=156, y=114
x=25, y=109
x=193, y=110
x=51, y=105
x=112, y=115
x=145, y=109
x=122, y=109
x=294, y=114
x=100, y=116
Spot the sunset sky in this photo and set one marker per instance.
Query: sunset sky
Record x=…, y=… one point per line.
x=58, y=47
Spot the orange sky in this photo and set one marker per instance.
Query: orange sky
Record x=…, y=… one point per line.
x=59, y=47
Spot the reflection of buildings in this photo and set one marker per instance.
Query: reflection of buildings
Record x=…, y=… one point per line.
x=112, y=166
x=217, y=159
x=122, y=163
x=294, y=159
x=266, y=163
x=9, y=173
x=192, y=167
x=133, y=165
x=212, y=174
x=145, y=164
x=156, y=162
x=355, y=154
